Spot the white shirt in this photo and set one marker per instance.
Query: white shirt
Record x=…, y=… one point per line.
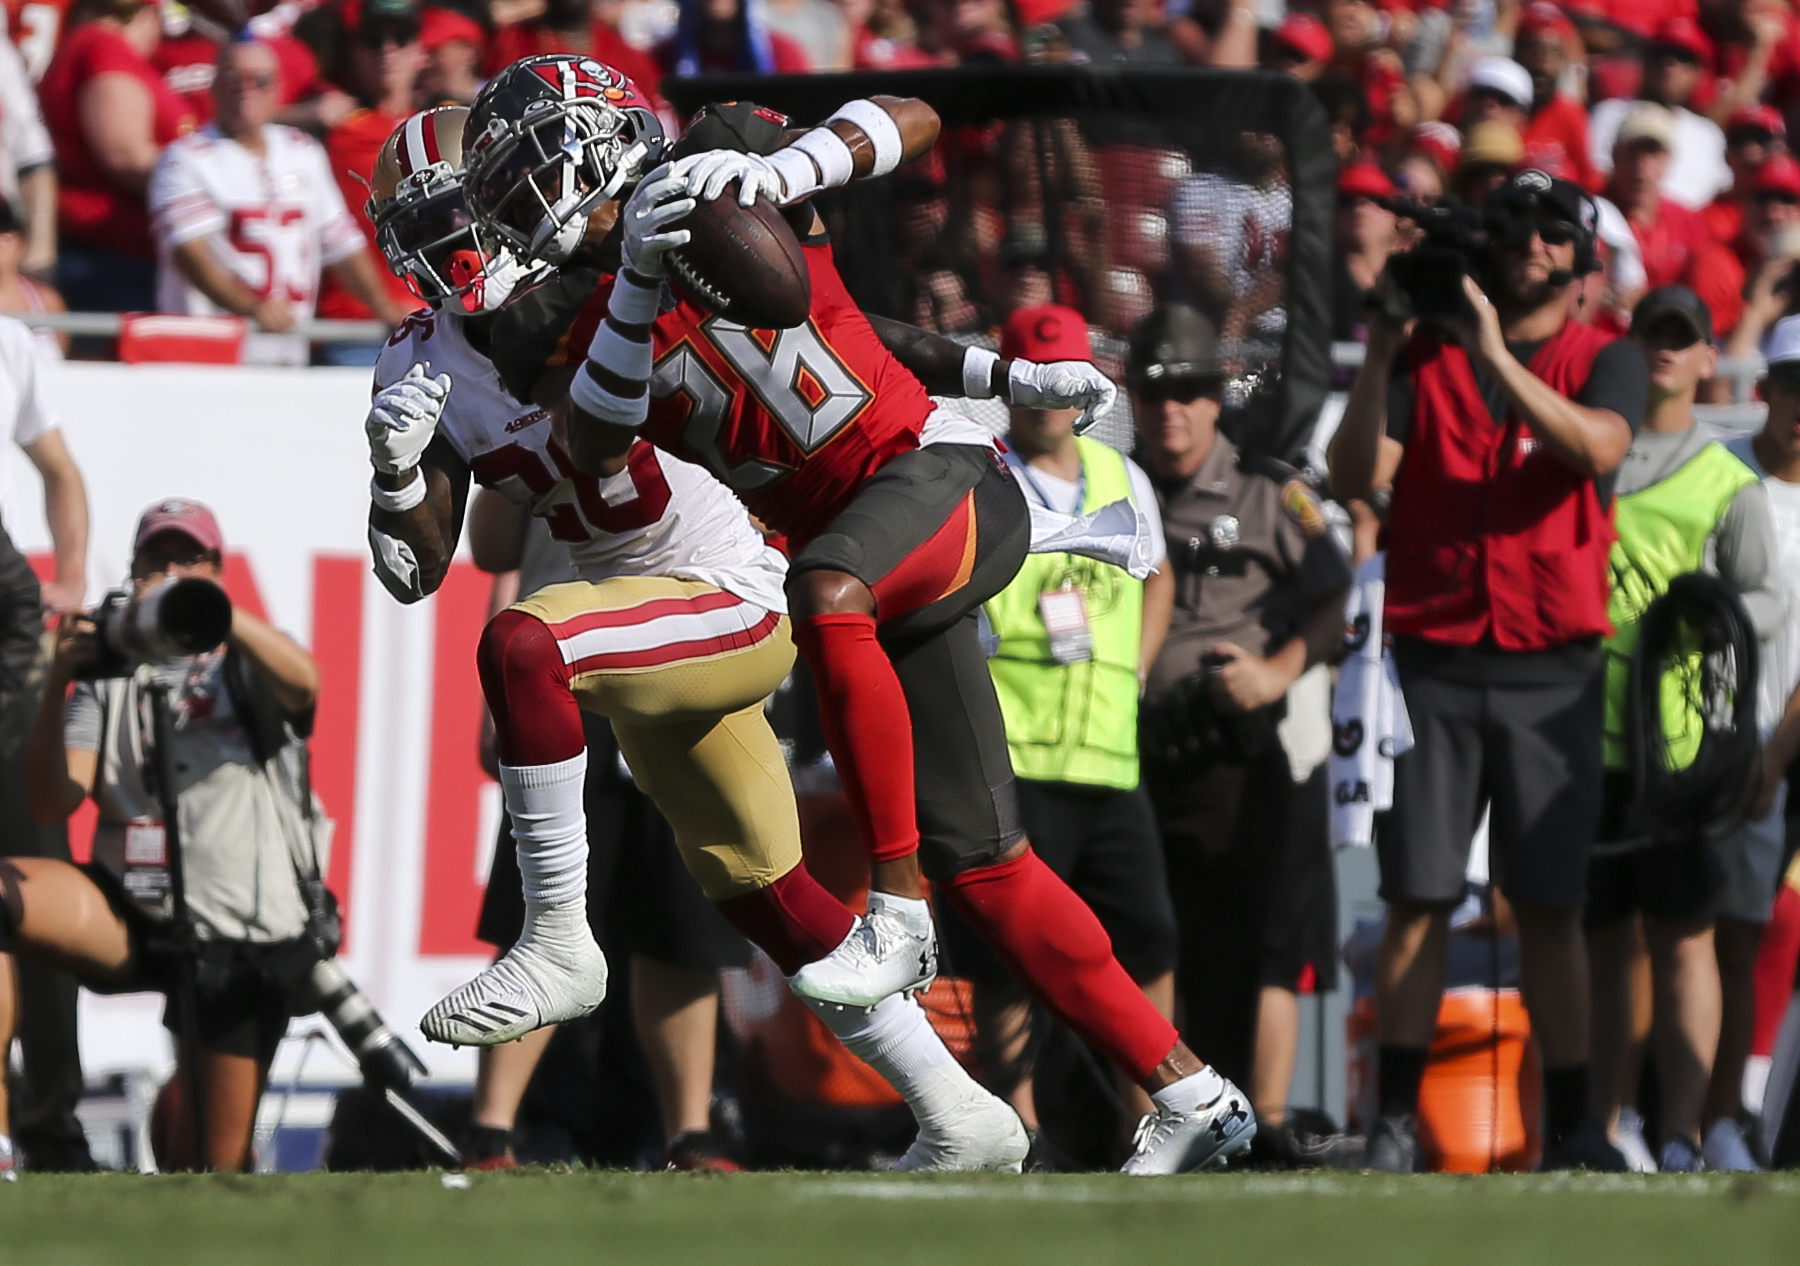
x=1243, y=226
x=670, y=517
x=1780, y=667
x=274, y=220
x=23, y=406
x=1060, y=495
x=1697, y=172
x=24, y=141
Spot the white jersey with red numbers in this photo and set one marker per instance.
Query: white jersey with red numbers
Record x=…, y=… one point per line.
x=660, y=516
x=275, y=219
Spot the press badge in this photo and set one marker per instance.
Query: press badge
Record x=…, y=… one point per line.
x=146, y=878
x=1065, y=616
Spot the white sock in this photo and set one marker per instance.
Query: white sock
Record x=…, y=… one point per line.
x=549, y=825
x=1192, y=1092
x=914, y=911
x=897, y=1041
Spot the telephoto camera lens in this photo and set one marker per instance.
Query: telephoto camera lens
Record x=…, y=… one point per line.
x=384, y=1058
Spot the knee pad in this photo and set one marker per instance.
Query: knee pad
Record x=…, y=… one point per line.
x=526, y=684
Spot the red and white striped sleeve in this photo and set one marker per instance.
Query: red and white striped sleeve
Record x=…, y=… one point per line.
x=181, y=207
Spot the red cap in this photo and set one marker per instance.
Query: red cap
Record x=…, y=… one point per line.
x=1541, y=15
x=1364, y=180
x=1046, y=332
x=1780, y=174
x=180, y=514
x=1762, y=117
x=1683, y=33
x=438, y=27
x=1307, y=36
x=1439, y=142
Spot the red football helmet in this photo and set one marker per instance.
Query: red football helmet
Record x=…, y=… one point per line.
x=549, y=139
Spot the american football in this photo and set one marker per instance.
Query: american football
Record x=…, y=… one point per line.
x=744, y=263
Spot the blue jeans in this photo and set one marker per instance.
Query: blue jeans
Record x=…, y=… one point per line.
x=95, y=279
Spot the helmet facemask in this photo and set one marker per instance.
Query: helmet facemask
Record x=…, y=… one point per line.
x=429, y=237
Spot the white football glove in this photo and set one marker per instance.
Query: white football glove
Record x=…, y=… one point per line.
x=708, y=174
x=403, y=418
x=1062, y=384
x=659, y=201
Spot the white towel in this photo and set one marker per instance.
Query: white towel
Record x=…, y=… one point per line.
x=1369, y=724
x=1116, y=533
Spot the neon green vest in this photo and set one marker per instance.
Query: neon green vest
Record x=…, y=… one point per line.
x=1073, y=722
x=1663, y=532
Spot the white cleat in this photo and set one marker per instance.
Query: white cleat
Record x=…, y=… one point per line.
x=982, y=1134
x=890, y=950
x=1181, y=1142
x=555, y=973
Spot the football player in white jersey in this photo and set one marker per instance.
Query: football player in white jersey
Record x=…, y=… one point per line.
x=677, y=632
x=246, y=213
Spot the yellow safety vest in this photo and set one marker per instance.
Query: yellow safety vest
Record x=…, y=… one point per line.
x=1073, y=722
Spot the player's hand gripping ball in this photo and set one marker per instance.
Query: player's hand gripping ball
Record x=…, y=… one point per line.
x=403, y=418
x=743, y=262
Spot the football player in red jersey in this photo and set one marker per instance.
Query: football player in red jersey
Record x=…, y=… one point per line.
x=899, y=518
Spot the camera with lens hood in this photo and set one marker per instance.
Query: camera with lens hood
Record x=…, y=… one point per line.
x=189, y=615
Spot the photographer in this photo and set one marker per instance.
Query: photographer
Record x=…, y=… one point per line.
x=237, y=712
x=1499, y=430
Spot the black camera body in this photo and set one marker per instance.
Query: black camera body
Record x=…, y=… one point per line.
x=186, y=616
x=1426, y=282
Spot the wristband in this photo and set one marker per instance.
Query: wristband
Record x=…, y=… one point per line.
x=616, y=354
x=634, y=301
x=398, y=500
x=798, y=171
x=830, y=153
x=978, y=373
x=879, y=126
x=586, y=394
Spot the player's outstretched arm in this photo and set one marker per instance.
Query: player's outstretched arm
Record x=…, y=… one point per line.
x=867, y=137
x=947, y=368
x=419, y=488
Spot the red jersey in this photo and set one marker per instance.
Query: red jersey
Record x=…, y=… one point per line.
x=605, y=44
x=353, y=146
x=1556, y=141
x=793, y=421
x=1671, y=243
x=92, y=210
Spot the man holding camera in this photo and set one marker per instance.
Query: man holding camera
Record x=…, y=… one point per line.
x=246, y=820
x=1499, y=430
x=1259, y=598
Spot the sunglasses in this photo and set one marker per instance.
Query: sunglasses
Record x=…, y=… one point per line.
x=261, y=83
x=1750, y=136
x=376, y=38
x=1180, y=390
x=1686, y=57
x=1786, y=375
x=1785, y=199
x=1554, y=232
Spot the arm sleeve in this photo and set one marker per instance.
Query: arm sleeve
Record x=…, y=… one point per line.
x=81, y=719
x=548, y=327
x=1619, y=381
x=1744, y=547
x=35, y=416
x=1143, y=496
x=181, y=207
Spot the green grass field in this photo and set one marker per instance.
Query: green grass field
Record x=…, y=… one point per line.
x=535, y=1218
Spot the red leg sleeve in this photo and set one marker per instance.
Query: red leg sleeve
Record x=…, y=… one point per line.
x=794, y=920
x=868, y=727
x=1056, y=947
x=1775, y=965
x=527, y=687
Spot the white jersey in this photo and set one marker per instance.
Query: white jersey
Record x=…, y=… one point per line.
x=275, y=220
x=660, y=516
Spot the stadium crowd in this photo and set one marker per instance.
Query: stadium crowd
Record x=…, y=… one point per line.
x=1170, y=735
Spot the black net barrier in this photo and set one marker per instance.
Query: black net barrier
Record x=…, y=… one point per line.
x=1105, y=190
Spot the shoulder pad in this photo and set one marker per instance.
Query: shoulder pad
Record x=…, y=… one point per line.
x=531, y=332
x=737, y=125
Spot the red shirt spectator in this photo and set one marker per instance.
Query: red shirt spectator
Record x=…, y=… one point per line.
x=95, y=207
x=187, y=62
x=1556, y=129
x=1751, y=138
x=1740, y=29
x=1556, y=140
x=1644, y=17
x=596, y=39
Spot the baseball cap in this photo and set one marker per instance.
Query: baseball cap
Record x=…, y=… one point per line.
x=1439, y=142
x=1673, y=301
x=397, y=15
x=1173, y=342
x=1492, y=142
x=1780, y=174
x=1046, y=332
x=1784, y=342
x=438, y=27
x=180, y=514
x=1543, y=16
x=1504, y=77
x=1683, y=34
x=1647, y=121
x=1307, y=36
x=1364, y=180
x=1757, y=118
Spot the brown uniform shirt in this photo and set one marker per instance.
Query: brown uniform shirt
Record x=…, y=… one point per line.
x=1251, y=556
